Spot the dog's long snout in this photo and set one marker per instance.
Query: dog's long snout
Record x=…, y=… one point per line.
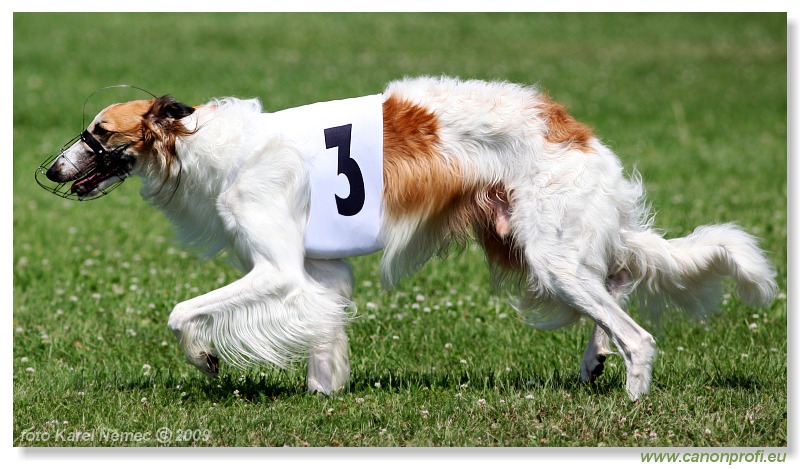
x=62, y=170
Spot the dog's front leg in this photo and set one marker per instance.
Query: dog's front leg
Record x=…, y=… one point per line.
x=329, y=362
x=191, y=321
x=267, y=317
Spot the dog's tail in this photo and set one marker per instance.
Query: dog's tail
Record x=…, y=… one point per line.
x=689, y=272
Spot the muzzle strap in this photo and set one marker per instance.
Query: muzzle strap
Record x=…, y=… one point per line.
x=96, y=147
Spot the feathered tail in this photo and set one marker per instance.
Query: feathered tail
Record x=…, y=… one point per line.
x=688, y=272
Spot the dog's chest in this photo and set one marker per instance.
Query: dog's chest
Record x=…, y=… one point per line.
x=342, y=143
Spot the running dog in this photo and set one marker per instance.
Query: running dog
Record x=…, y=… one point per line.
x=429, y=162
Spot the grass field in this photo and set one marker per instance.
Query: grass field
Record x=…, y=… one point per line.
x=697, y=103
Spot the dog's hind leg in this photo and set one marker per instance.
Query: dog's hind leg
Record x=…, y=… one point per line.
x=587, y=294
x=329, y=362
x=598, y=348
x=562, y=284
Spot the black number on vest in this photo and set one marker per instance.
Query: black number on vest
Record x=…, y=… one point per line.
x=340, y=137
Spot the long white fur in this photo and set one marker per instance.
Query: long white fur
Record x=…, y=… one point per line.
x=583, y=227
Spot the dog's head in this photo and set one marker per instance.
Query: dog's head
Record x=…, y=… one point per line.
x=119, y=142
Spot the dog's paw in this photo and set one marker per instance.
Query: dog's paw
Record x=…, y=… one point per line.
x=592, y=369
x=640, y=368
x=212, y=363
x=205, y=362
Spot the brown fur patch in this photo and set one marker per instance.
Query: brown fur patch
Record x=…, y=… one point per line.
x=562, y=128
x=420, y=181
x=146, y=126
x=162, y=127
x=417, y=177
x=124, y=122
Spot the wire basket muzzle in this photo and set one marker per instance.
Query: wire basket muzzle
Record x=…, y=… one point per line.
x=69, y=189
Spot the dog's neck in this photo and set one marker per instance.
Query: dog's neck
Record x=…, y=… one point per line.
x=188, y=196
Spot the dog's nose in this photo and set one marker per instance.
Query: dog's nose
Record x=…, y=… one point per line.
x=54, y=173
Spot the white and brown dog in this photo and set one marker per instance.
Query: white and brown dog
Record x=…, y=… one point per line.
x=503, y=163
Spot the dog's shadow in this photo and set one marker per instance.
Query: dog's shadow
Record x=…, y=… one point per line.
x=278, y=384
x=271, y=385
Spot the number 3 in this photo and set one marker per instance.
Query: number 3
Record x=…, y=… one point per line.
x=340, y=137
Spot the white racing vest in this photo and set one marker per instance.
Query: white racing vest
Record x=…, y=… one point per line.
x=342, y=143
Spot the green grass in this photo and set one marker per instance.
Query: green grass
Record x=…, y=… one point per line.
x=697, y=103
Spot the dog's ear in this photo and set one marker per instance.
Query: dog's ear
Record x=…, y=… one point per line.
x=166, y=107
x=162, y=126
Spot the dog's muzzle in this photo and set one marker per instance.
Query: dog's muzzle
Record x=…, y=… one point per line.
x=107, y=169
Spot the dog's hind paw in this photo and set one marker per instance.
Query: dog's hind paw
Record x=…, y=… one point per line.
x=592, y=369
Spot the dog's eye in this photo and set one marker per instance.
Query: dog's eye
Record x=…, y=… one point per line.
x=99, y=131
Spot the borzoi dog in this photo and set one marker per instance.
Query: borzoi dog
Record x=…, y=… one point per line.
x=428, y=162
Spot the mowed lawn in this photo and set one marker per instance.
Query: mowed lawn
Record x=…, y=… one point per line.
x=697, y=103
